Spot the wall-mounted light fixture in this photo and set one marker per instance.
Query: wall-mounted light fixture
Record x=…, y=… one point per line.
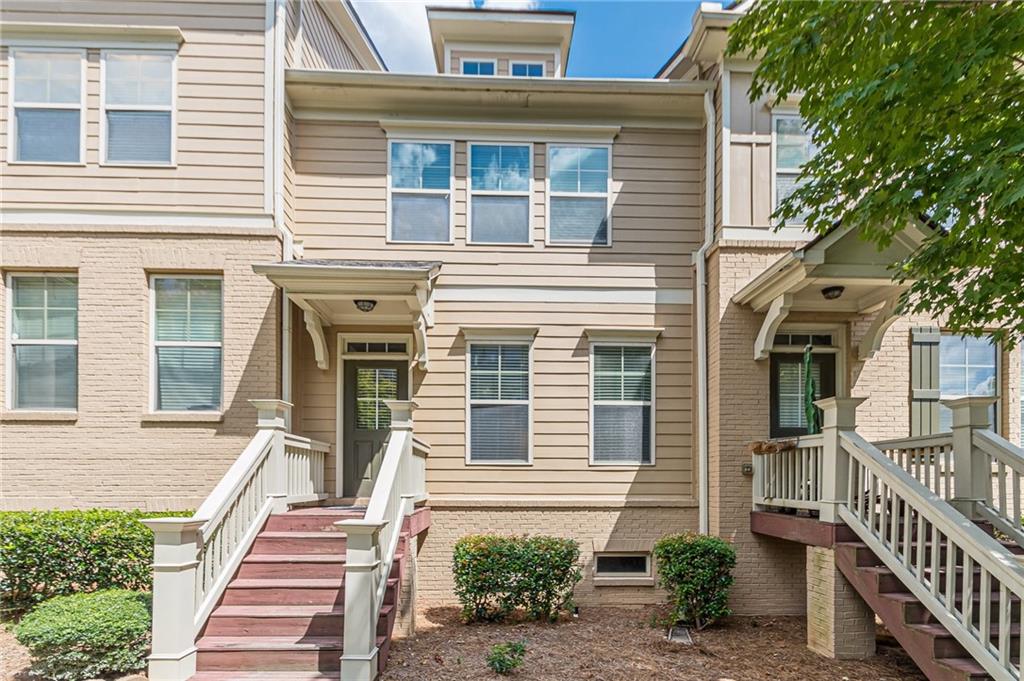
x=365, y=305
x=832, y=292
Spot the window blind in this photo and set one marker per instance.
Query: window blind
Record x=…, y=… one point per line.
x=44, y=341
x=188, y=331
x=499, y=393
x=622, y=426
x=499, y=185
x=420, y=207
x=138, y=101
x=578, y=180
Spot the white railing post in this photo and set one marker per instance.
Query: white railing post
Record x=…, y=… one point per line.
x=401, y=413
x=359, y=658
x=175, y=557
x=274, y=415
x=840, y=413
x=972, y=471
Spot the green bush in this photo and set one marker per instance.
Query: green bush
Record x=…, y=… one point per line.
x=494, y=575
x=506, y=657
x=53, y=553
x=697, y=571
x=83, y=636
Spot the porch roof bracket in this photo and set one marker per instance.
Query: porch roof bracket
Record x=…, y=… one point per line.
x=777, y=313
x=872, y=340
x=421, y=342
x=316, y=331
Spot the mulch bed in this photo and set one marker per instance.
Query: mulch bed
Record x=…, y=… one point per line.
x=606, y=644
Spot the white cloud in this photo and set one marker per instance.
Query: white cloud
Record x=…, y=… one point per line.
x=400, y=32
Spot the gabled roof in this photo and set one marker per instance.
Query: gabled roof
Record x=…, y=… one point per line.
x=708, y=37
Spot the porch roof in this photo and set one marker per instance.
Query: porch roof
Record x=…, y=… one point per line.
x=401, y=292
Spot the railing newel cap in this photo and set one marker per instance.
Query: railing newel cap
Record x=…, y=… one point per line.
x=166, y=525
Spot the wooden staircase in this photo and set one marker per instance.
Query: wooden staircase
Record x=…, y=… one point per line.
x=282, y=614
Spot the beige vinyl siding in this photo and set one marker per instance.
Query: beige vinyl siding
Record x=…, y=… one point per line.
x=341, y=199
x=220, y=126
x=292, y=56
x=750, y=155
x=322, y=46
x=289, y=168
x=503, y=59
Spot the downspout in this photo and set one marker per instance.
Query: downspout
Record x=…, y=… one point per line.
x=702, y=314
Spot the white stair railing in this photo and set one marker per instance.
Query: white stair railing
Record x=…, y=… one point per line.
x=928, y=459
x=372, y=541
x=195, y=558
x=1003, y=505
x=789, y=476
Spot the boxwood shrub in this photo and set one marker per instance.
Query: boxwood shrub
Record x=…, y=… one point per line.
x=496, y=575
x=52, y=553
x=83, y=636
x=697, y=571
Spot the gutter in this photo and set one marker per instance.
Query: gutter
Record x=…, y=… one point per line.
x=702, y=317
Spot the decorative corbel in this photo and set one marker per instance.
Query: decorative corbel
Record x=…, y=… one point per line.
x=420, y=329
x=425, y=299
x=777, y=313
x=316, y=332
x=872, y=340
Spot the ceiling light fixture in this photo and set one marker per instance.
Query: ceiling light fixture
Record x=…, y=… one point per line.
x=832, y=292
x=365, y=305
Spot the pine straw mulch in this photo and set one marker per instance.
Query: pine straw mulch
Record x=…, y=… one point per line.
x=607, y=644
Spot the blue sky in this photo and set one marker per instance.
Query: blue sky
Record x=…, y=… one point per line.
x=612, y=39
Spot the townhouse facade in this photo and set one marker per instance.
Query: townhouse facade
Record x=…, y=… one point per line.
x=569, y=291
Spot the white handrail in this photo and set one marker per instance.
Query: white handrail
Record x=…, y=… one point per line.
x=1003, y=507
x=304, y=468
x=790, y=477
x=928, y=459
x=934, y=550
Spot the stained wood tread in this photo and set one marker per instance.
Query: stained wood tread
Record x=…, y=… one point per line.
x=285, y=583
x=296, y=642
x=303, y=557
x=264, y=676
x=301, y=534
x=286, y=610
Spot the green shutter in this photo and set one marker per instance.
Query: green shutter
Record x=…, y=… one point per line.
x=924, y=380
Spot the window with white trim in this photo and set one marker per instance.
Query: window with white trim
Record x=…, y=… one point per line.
x=622, y=565
x=44, y=341
x=622, y=419
x=793, y=148
x=420, y=189
x=499, y=402
x=968, y=367
x=579, y=196
x=187, y=343
x=477, y=68
x=49, y=104
x=525, y=69
x=499, y=191
x=138, y=107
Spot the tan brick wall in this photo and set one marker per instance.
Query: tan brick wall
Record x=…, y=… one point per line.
x=111, y=455
x=840, y=624
x=586, y=525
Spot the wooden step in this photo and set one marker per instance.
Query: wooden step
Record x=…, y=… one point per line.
x=298, y=565
x=301, y=591
x=947, y=646
x=311, y=519
x=285, y=620
x=237, y=675
x=269, y=653
x=299, y=542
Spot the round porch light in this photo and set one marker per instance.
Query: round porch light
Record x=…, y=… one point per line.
x=365, y=305
x=832, y=292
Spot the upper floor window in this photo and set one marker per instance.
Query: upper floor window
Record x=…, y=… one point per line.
x=478, y=68
x=793, y=148
x=49, y=101
x=967, y=368
x=44, y=341
x=622, y=422
x=187, y=343
x=499, y=403
x=499, y=182
x=580, y=210
x=527, y=69
x=420, y=180
x=138, y=107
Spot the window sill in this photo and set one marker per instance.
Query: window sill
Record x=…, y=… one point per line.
x=620, y=466
x=499, y=464
x=624, y=581
x=137, y=164
x=18, y=415
x=183, y=417
x=70, y=164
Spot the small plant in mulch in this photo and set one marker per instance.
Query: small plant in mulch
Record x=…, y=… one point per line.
x=504, y=658
x=696, y=569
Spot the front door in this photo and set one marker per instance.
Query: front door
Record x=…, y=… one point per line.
x=367, y=419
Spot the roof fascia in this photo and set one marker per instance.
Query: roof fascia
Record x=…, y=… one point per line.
x=348, y=24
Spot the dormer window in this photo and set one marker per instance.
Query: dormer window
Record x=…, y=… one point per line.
x=522, y=69
x=478, y=68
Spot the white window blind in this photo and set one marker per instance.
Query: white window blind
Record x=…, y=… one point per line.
x=793, y=148
x=499, y=182
x=967, y=368
x=499, y=402
x=579, y=196
x=48, y=103
x=623, y=427
x=44, y=342
x=138, y=106
x=373, y=386
x=187, y=348
x=791, y=392
x=420, y=189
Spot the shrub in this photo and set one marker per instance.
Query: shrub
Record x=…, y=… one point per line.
x=697, y=571
x=52, y=553
x=505, y=657
x=82, y=636
x=495, y=574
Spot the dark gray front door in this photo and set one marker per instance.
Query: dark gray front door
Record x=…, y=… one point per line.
x=367, y=419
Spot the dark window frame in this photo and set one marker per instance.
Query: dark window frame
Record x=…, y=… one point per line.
x=827, y=361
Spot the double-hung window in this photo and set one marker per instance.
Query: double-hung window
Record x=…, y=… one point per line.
x=527, y=70
x=44, y=341
x=967, y=368
x=793, y=148
x=499, y=183
x=138, y=107
x=622, y=419
x=420, y=191
x=578, y=194
x=49, y=105
x=499, y=402
x=478, y=68
x=187, y=343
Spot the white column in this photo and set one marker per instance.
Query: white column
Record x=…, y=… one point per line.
x=175, y=557
x=972, y=471
x=274, y=415
x=839, y=415
x=359, y=657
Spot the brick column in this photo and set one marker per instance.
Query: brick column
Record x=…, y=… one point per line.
x=840, y=624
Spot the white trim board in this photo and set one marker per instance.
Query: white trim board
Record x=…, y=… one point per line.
x=10, y=217
x=563, y=294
